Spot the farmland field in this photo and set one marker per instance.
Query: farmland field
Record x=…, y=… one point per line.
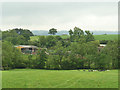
x=97, y=37
x=33, y=38
x=38, y=78
x=106, y=37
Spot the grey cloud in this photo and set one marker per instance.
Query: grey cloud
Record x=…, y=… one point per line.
x=53, y=13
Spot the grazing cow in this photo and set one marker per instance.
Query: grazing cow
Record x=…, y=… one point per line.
x=84, y=70
x=90, y=70
x=102, y=70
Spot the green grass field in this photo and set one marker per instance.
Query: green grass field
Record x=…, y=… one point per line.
x=97, y=37
x=33, y=38
x=106, y=37
x=35, y=78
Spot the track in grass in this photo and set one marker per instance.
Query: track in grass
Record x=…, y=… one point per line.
x=35, y=78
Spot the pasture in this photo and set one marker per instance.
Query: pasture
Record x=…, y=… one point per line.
x=106, y=37
x=33, y=38
x=97, y=37
x=38, y=78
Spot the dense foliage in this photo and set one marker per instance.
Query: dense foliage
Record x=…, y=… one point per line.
x=17, y=36
x=80, y=51
x=52, y=31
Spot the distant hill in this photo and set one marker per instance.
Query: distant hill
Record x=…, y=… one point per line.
x=45, y=32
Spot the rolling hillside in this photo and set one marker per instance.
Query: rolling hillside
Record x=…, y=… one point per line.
x=97, y=37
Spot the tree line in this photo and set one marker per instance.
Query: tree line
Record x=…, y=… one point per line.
x=80, y=51
x=17, y=36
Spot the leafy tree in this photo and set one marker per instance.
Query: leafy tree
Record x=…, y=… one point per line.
x=78, y=32
x=53, y=62
x=103, y=61
x=50, y=41
x=70, y=32
x=52, y=31
x=91, y=50
x=112, y=50
x=16, y=41
x=78, y=35
x=41, y=59
x=65, y=43
x=30, y=61
x=71, y=35
x=59, y=50
x=89, y=36
x=0, y=35
x=42, y=41
x=11, y=57
x=21, y=31
x=17, y=36
x=58, y=38
x=7, y=55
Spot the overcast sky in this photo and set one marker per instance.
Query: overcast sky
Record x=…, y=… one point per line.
x=60, y=15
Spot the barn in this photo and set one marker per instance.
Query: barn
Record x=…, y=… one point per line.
x=27, y=49
x=101, y=46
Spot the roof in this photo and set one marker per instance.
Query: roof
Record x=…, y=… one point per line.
x=26, y=46
x=102, y=45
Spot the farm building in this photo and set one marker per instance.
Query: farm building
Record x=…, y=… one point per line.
x=27, y=49
x=101, y=46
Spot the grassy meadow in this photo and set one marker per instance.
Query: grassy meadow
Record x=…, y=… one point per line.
x=97, y=37
x=106, y=37
x=33, y=38
x=38, y=78
x=41, y=78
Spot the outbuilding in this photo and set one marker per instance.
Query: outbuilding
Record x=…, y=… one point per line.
x=27, y=49
x=101, y=46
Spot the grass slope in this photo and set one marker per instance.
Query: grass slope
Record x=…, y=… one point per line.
x=29, y=78
x=34, y=38
x=106, y=37
x=97, y=37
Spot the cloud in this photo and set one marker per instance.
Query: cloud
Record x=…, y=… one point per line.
x=63, y=16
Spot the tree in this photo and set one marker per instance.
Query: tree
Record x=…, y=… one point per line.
x=91, y=50
x=102, y=61
x=30, y=61
x=71, y=35
x=70, y=32
x=89, y=36
x=112, y=50
x=11, y=56
x=58, y=38
x=59, y=50
x=17, y=36
x=50, y=41
x=21, y=31
x=7, y=55
x=52, y=31
x=40, y=59
x=42, y=41
x=76, y=35
x=78, y=32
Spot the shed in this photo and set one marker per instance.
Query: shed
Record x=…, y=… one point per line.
x=27, y=49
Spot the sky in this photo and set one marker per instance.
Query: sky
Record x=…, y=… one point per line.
x=93, y=16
